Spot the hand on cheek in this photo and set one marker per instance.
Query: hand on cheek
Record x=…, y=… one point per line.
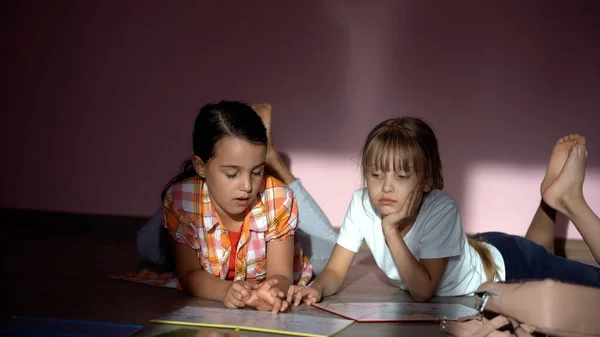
x=407, y=213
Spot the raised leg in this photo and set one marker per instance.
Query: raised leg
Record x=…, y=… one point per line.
x=316, y=235
x=565, y=195
x=541, y=229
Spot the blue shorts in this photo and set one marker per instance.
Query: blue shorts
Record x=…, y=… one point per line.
x=526, y=260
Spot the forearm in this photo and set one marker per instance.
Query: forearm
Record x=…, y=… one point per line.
x=201, y=283
x=329, y=282
x=414, y=274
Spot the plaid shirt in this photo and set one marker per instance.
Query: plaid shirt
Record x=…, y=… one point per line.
x=191, y=219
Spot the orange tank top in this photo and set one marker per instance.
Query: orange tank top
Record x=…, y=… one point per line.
x=234, y=237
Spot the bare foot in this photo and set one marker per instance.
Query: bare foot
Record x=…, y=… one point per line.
x=567, y=188
x=559, y=157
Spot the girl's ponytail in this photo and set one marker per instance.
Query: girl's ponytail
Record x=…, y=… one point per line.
x=489, y=266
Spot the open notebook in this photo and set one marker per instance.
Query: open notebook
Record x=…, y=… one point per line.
x=252, y=320
x=397, y=311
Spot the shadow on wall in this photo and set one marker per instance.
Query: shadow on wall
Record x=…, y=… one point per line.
x=500, y=83
x=100, y=97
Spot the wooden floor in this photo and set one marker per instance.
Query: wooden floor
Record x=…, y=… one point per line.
x=52, y=267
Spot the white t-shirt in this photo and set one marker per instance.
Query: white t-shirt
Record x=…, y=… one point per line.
x=437, y=233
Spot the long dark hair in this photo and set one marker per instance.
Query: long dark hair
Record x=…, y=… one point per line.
x=213, y=123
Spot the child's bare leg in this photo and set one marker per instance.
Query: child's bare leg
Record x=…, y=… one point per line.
x=316, y=234
x=541, y=229
x=275, y=164
x=565, y=195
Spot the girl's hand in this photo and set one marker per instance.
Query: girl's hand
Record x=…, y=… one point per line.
x=267, y=297
x=310, y=294
x=407, y=213
x=236, y=295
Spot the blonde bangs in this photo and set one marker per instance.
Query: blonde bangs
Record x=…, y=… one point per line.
x=391, y=150
x=403, y=144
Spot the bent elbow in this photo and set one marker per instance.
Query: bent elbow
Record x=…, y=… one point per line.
x=422, y=296
x=190, y=281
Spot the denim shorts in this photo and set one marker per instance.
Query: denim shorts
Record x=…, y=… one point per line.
x=526, y=260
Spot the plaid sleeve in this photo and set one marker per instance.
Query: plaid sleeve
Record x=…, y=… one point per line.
x=283, y=211
x=179, y=224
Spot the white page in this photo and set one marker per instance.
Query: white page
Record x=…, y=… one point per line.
x=257, y=320
x=398, y=311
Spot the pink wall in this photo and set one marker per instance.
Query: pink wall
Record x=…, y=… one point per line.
x=99, y=96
